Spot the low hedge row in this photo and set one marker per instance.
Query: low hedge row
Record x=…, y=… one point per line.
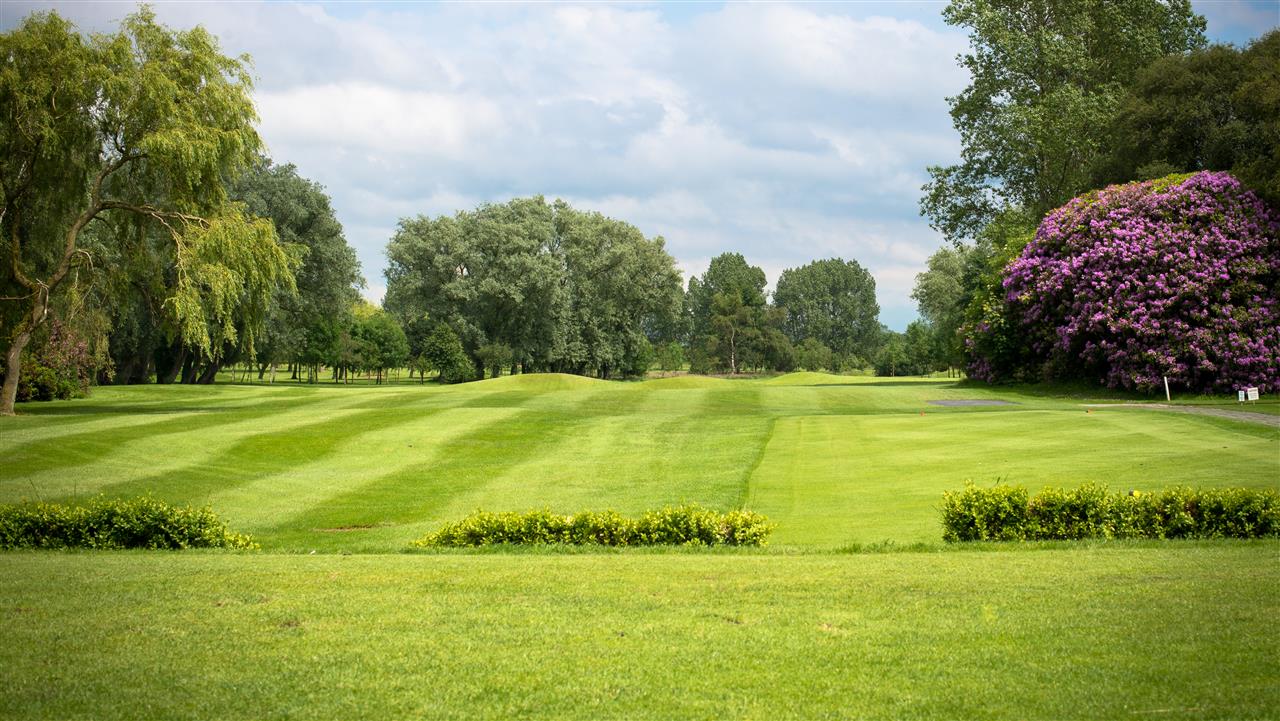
x=673, y=525
x=1008, y=513
x=135, y=523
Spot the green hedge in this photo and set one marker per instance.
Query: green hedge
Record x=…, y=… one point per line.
x=136, y=523
x=679, y=525
x=1008, y=513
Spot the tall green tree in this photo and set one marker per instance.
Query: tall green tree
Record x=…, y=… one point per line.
x=489, y=273
x=1047, y=79
x=1212, y=109
x=565, y=290
x=329, y=276
x=621, y=287
x=941, y=297
x=382, y=342
x=833, y=301
x=145, y=122
x=727, y=274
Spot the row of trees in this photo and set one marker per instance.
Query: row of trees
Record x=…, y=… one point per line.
x=530, y=285
x=1069, y=96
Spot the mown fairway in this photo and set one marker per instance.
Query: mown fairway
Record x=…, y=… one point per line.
x=833, y=460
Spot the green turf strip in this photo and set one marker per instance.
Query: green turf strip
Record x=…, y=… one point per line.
x=833, y=460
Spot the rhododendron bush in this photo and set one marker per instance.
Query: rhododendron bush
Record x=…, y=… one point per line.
x=1174, y=277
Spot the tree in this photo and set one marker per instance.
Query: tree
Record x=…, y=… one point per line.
x=833, y=301
x=728, y=274
x=891, y=358
x=494, y=357
x=144, y=122
x=1212, y=109
x=670, y=357
x=329, y=274
x=732, y=324
x=623, y=287
x=1191, y=296
x=382, y=341
x=941, y=297
x=443, y=353
x=1047, y=78
x=566, y=290
x=813, y=355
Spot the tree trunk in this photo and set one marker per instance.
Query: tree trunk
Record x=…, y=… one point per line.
x=13, y=358
x=190, y=370
x=210, y=373
x=178, y=362
x=13, y=363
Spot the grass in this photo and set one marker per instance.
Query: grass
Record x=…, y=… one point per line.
x=851, y=612
x=1180, y=630
x=833, y=460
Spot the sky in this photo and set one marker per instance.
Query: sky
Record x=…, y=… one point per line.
x=786, y=132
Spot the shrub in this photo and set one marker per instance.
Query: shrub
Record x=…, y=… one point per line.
x=1173, y=277
x=673, y=525
x=984, y=514
x=136, y=523
x=1006, y=513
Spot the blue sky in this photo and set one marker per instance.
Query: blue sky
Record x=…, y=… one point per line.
x=787, y=132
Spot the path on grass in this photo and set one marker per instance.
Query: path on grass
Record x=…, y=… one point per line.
x=1246, y=416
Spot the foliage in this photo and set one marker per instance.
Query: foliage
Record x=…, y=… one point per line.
x=146, y=122
x=60, y=365
x=672, y=525
x=443, y=353
x=833, y=301
x=813, y=355
x=730, y=276
x=1006, y=513
x=102, y=523
x=940, y=295
x=670, y=356
x=1047, y=78
x=1216, y=108
x=913, y=353
x=565, y=290
x=1176, y=277
x=329, y=272
x=495, y=357
x=380, y=340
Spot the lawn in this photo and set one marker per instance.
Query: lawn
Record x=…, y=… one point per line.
x=332, y=620
x=1172, y=631
x=833, y=460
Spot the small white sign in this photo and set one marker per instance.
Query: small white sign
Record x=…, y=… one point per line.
x=1240, y=396
x=1253, y=393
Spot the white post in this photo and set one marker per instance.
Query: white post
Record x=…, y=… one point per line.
x=1166, y=389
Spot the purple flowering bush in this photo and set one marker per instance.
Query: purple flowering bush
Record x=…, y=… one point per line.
x=1173, y=277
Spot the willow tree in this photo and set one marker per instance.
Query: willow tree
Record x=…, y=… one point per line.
x=148, y=122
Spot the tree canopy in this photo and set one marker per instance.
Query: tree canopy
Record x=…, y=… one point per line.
x=1216, y=108
x=146, y=122
x=833, y=301
x=1047, y=79
x=564, y=290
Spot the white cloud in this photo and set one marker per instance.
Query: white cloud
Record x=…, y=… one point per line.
x=388, y=120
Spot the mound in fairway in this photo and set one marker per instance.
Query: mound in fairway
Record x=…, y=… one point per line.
x=369, y=469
